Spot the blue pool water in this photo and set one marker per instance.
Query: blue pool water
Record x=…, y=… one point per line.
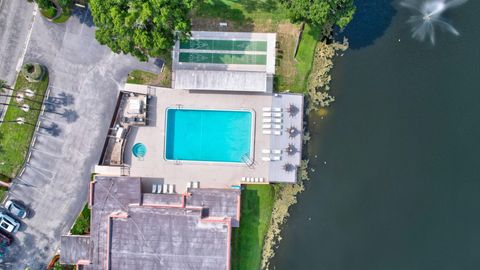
x=208, y=135
x=139, y=150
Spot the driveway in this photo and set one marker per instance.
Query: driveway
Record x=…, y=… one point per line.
x=85, y=79
x=16, y=18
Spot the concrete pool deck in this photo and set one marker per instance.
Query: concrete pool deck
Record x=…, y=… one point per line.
x=210, y=174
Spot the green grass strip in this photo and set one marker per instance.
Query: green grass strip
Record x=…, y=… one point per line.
x=247, y=240
x=304, y=57
x=82, y=224
x=14, y=138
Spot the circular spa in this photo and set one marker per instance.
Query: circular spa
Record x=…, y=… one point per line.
x=139, y=150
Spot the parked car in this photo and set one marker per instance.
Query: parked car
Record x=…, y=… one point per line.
x=3, y=253
x=8, y=223
x=16, y=209
x=5, y=240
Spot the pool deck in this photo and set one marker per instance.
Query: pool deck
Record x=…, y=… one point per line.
x=210, y=174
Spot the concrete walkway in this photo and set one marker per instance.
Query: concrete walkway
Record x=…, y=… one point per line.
x=85, y=78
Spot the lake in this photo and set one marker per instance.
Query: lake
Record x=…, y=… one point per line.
x=400, y=189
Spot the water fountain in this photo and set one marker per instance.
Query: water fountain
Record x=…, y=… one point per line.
x=429, y=17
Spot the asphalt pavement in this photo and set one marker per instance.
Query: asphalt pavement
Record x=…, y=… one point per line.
x=85, y=79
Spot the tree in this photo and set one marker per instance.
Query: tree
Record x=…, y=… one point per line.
x=325, y=13
x=141, y=28
x=4, y=85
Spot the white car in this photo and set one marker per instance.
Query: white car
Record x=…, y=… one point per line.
x=8, y=223
x=16, y=209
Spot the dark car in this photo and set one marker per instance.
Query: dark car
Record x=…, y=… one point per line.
x=16, y=208
x=5, y=240
x=3, y=253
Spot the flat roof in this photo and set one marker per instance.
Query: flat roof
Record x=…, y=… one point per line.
x=225, y=61
x=134, y=229
x=74, y=247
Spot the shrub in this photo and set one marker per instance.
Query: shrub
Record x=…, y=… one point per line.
x=82, y=224
x=33, y=72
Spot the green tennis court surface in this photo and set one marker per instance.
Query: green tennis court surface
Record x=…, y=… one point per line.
x=223, y=58
x=224, y=45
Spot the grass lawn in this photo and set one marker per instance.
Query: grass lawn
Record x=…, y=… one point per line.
x=141, y=77
x=247, y=240
x=67, y=12
x=265, y=16
x=14, y=138
x=163, y=79
x=82, y=224
x=3, y=192
x=305, y=54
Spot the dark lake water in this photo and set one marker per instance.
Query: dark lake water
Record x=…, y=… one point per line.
x=401, y=187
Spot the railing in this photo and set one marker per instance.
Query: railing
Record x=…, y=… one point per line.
x=249, y=162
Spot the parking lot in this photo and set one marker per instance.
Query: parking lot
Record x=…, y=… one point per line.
x=85, y=78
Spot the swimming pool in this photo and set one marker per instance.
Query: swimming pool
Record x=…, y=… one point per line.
x=208, y=135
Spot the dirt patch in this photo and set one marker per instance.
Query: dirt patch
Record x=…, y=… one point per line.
x=286, y=69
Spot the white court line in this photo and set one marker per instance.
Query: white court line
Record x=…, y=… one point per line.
x=20, y=61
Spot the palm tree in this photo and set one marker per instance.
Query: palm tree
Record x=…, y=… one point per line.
x=19, y=120
x=288, y=167
x=292, y=110
x=20, y=96
x=292, y=131
x=291, y=149
x=4, y=85
x=24, y=107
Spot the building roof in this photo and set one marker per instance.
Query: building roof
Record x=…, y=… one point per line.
x=127, y=233
x=225, y=61
x=74, y=247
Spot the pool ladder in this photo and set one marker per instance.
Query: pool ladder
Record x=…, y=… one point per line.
x=246, y=159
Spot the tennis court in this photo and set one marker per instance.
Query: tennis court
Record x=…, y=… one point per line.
x=223, y=58
x=224, y=45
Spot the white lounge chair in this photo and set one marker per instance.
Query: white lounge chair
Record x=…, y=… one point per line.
x=267, y=109
x=266, y=151
x=276, y=158
x=277, y=120
x=196, y=184
x=267, y=114
x=277, y=151
x=277, y=109
x=267, y=131
x=267, y=126
x=257, y=179
x=154, y=188
x=244, y=179
x=189, y=185
x=171, y=189
x=277, y=132
x=262, y=180
x=267, y=120
x=277, y=126
x=165, y=188
x=266, y=159
x=277, y=114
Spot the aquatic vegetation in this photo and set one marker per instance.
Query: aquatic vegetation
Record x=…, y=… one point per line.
x=318, y=84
